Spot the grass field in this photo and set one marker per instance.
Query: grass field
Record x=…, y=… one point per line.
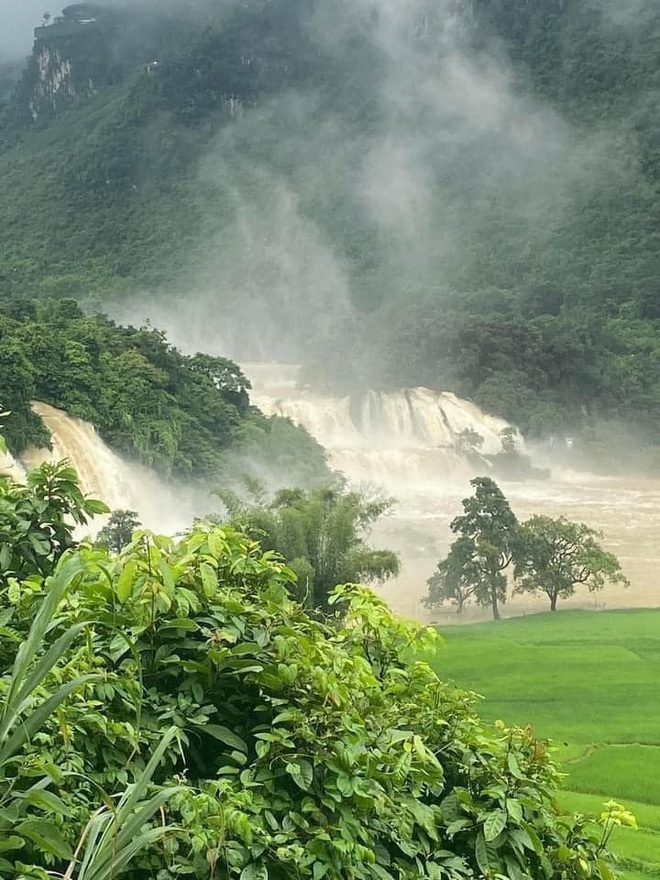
x=590, y=681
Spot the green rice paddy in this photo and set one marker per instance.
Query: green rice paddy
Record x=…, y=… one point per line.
x=590, y=681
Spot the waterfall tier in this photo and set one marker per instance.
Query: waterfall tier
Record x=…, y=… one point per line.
x=399, y=439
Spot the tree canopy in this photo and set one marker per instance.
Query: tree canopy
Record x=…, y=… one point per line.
x=488, y=529
x=188, y=416
x=545, y=555
x=118, y=532
x=554, y=556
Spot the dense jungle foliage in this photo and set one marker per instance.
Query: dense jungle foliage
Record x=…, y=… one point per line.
x=171, y=712
x=508, y=255
x=187, y=416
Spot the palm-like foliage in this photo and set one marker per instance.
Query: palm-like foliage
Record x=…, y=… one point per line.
x=114, y=836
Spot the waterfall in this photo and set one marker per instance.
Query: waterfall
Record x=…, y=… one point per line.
x=105, y=475
x=404, y=440
x=9, y=467
x=102, y=473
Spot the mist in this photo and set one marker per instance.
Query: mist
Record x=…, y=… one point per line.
x=324, y=208
x=18, y=19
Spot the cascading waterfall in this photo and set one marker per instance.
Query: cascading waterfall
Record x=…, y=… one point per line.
x=102, y=473
x=404, y=441
x=399, y=439
x=9, y=467
x=105, y=475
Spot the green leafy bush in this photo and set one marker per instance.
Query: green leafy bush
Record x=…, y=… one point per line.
x=305, y=748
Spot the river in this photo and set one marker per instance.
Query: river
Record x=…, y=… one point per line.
x=402, y=443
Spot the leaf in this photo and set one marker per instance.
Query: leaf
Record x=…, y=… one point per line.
x=450, y=808
x=35, y=720
x=96, y=508
x=209, y=579
x=47, y=801
x=534, y=838
x=494, y=824
x=254, y=872
x=47, y=837
x=12, y=842
x=514, y=766
x=481, y=854
x=217, y=544
x=226, y=736
x=514, y=871
x=514, y=809
x=301, y=772
x=126, y=581
x=606, y=872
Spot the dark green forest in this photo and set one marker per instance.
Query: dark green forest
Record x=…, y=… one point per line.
x=464, y=197
x=186, y=416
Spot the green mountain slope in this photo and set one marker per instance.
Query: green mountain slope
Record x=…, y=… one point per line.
x=459, y=195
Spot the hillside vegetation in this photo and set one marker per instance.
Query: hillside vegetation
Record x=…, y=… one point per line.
x=187, y=416
x=324, y=183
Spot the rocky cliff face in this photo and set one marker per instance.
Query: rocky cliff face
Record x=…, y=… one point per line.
x=65, y=68
x=55, y=85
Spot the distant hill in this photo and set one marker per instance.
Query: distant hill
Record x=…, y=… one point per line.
x=464, y=197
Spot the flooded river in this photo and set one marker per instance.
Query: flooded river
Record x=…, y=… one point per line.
x=403, y=443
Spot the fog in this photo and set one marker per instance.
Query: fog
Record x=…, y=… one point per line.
x=316, y=215
x=398, y=171
x=18, y=18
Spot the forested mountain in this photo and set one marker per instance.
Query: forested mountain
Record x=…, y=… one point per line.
x=457, y=194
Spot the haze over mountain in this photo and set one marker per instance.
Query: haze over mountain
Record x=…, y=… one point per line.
x=459, y=195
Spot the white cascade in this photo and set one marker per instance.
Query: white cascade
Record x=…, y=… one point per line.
x=102, y=473
x=10, y=467
x=404, y=440
x=106, y=476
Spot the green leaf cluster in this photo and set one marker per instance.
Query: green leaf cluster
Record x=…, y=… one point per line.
x=37, y=521
x=303, y=748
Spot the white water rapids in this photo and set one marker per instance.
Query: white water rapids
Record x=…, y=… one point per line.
x=403, y=441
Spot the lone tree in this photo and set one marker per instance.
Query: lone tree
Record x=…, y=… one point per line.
x=554, y=556
x=119, y=531
x=457, y=577
x=484, y=549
